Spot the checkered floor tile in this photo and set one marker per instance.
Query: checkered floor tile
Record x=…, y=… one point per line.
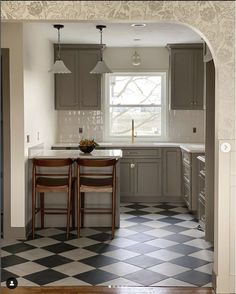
x=157, y=245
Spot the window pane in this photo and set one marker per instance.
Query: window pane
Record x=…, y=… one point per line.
x=147, y=121
x=135, y=89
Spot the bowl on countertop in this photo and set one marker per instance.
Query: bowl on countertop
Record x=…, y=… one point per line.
x=86, y=148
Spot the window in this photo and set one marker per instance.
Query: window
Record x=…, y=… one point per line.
x=137, y=96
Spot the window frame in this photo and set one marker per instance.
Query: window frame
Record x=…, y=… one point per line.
x=164, y=107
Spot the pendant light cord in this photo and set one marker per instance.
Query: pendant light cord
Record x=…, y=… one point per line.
x=59, y=46
x=101, y=55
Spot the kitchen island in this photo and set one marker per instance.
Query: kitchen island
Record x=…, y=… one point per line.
x=92, y=199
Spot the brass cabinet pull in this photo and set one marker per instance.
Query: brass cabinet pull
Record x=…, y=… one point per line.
x=132, y=165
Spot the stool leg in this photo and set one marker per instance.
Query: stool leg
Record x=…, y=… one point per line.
x=33, y=211
x=82, y=211
x=73, y=206
x=78, y=212
x=42, y=209
x=113, y=212
x=68, y=213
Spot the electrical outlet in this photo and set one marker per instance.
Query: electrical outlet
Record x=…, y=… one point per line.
x=194, y=130
x=80, y=130
x=28, y=138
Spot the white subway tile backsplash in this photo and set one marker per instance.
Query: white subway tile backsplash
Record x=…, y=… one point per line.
x=180, y=125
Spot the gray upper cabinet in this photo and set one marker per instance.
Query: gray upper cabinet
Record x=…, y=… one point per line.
x=186, y=76
x=79, y=90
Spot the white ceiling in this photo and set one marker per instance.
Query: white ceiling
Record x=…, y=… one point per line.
x=122, y=34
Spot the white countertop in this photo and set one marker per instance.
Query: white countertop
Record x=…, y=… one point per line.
x=193, y=148
x=95, y=154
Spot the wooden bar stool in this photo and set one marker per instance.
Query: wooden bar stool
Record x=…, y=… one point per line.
x=45, y=181
x=92, y=181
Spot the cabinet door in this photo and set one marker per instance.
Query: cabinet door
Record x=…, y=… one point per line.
x=182, y=79
x=90, y=84
x=147, y=179
x=171, y=172
x=66, y=85
x=199, y=78
x=126, y=177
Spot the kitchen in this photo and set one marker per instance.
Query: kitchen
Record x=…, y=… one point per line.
x=190, y=134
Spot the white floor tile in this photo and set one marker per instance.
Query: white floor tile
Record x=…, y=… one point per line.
x=125, y=216
x=161, y=243
x=154, y=216
x=124, y=232
x=26, y=268
x=42, y=242
x=121, y=242
x=188, y=224
x=120, y=268
x=70, y=281
x=203, y=254
x=193, y=233
x=125, y=209
x=199, y=243
x=120, y=282
x=35, y=254
x=25, y=283
x=4, y=253
x=165, y=255
x=126, y=224
x=179, y=209
x=82, y=242
x=49, y=232
x=168, y=269
x=151, y=209
x=172, y=283
x=8, y=242
x=73, y=268
x=85, y=232
x=184, y=216
x=78, y=254
x=121, y=254
x=207, y=268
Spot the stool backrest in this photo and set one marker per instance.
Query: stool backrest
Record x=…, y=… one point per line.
x=52, y=163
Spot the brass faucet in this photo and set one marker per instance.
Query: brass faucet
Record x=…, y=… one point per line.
x=132, y=130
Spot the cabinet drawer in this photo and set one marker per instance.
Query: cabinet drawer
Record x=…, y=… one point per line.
x=186, y=157
x=186, y=171
x=187, y=196
x=142, y=152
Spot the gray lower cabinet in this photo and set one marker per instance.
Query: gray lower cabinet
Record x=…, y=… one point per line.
x=78, y=90
x=172, y=179
x=126, y=177
x=186, y=76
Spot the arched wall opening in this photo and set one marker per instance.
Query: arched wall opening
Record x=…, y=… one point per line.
x=217, y=38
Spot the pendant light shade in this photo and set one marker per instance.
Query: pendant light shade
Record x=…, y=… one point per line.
x=101, y=67
x=136, y=60
x=59, y=66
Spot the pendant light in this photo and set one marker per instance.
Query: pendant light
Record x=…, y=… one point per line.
x=136, y=60
x=101, y=67
x=59, y=66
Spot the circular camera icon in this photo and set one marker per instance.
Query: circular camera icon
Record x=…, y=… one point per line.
x=11, y=283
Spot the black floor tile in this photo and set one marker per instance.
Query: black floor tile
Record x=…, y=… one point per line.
x=52, y=261
x=144, y=261
x=183, y=249
x=11, y=260
x=165, y=206
x=141, y=248
x=145, y=277
x=139, y=219
x=101, y=248
x=98, y=261
x=178, y=238
x=45, y=277
x=62, y=237
x=59, y=248
x=96, y=277
x=188, y=261
x=17, y=248
x=101, y=237
x=137, y=212
x=194, y=277
x=136, y=206
x=175, y=229
x=6, y=275
x=168, y=213
x=171, y=220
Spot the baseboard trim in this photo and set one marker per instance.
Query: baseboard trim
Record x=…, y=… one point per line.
x=214, y=280
x=152, y=199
